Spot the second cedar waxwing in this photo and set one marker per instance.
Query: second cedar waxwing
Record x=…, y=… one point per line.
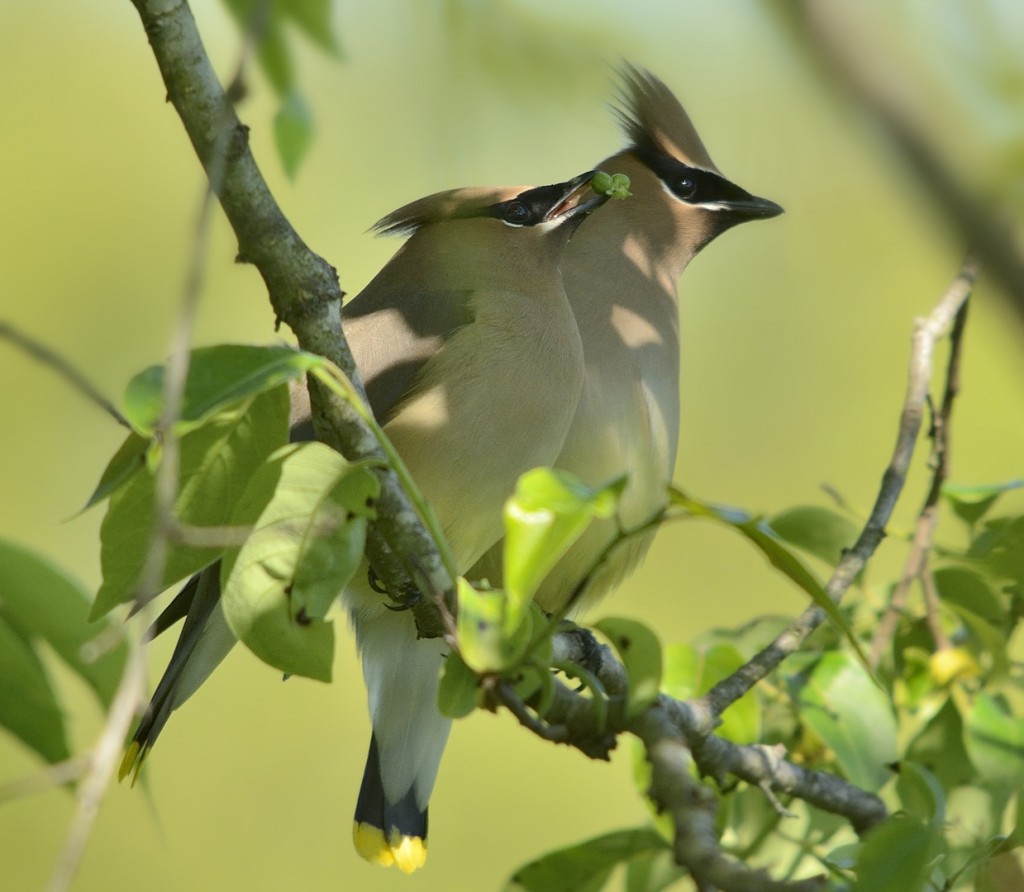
x=472, y=362
x=621, y=275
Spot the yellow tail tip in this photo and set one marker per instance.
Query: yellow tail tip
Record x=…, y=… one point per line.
x=132, y=762
x=408, y=853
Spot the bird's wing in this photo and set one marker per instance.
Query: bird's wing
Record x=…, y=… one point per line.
x=393, y=336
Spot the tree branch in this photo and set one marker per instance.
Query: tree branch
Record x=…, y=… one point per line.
x=674, y=734
x=302, y=286
x=43, y=354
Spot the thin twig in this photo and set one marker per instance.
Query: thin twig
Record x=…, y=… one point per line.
x=510, y=700
x=132, y=687
x=916, y=566
x=927, y=333
x=56, y=775
x=65, y=369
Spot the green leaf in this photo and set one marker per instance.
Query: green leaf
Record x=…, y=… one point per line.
x=965, y=587
x=989, y=642
x=971, y=503
x=457, y=691
x=652, y=872
x=760, y=534
x=28, y=705
x=331, y=548
x=921, y=794
x=818, y=531
x=640, y=652
x=313, y=18
x=218, y=379
x=896, y=856
x=994, y=739
x=549, y=511
x=45, y=603
x=693, y=669
x=293, y=131
x=217, y=461
x=940, y=746
x=295, y=496
x=265, y=22
x=1001, y=547
x=485, y=640
x=585, y=867
x=129, y=460
x=845, y=707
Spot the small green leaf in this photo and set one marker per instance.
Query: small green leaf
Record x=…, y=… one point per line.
x=457, y=691
x=218, y=379
x=28, y=705
x=129, y=460
x=45, y=603
x=331, y=548
x=144, y=399
x=780, y=557
x=585, y=867
x=640, y=652
x=921, y=794
x=965, y=587
x=994, y=739
x=818, y=531
x=485, y=639
x=971, y=503
x=989, y=642
x=940, y=746
x=1000, y=546
x=293, y=131
x=313, y=18
x=286, y=503
x=845, y=707
x=652, y=872
x=549, y=511
x=896, y=856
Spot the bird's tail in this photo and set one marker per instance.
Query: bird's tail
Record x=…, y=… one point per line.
x=409, y=736
x=205, y=640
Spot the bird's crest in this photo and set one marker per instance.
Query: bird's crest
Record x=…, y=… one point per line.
x=653, y=119
x=451, y=205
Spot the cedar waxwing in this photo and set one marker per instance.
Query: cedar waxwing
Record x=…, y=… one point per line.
x=472, y=362
x=621, y=274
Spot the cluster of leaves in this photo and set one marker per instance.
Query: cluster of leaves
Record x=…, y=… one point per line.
x=302, y=508
x=935, y=730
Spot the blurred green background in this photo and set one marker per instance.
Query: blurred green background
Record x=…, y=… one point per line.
x=795, y=344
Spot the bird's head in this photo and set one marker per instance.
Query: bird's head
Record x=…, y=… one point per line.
x=673, y=174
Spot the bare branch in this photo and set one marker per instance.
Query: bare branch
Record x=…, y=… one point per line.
x=58, y=363
x=916, y=566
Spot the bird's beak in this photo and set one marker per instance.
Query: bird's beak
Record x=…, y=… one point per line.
x=751, y=207
x=577, y=200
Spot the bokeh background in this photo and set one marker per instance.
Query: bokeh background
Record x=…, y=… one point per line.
x=795, y=344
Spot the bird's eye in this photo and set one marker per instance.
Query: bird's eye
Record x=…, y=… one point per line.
x=685, y=188
x=516, y=214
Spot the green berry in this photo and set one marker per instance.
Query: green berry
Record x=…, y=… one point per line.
x=602, y=182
